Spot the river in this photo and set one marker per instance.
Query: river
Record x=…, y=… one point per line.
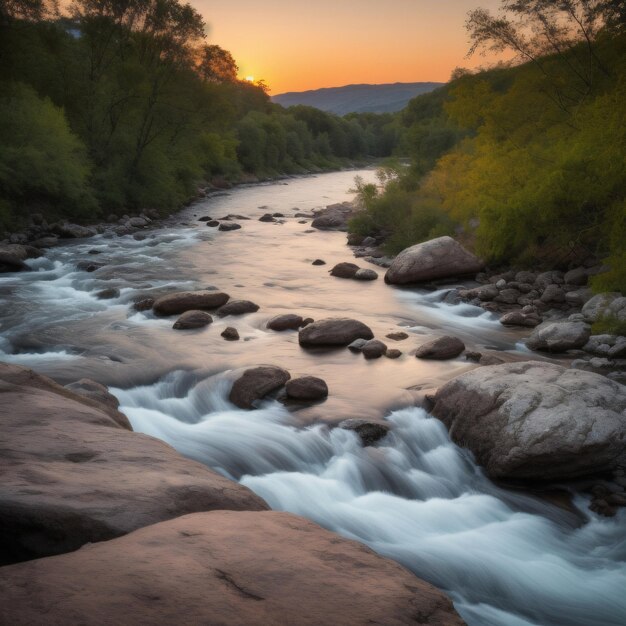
x=506, y=558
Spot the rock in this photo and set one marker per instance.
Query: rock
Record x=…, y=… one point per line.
x=306, y=388
x=617, y=309
x=577, y=276
x=501, y=284
x=145, y=304
x=547, y=278
x=21, y=251
x=373, y=349
x=334, y=332
x=344, y=270
x=176, y=303
x=70, y=474
x=306, y=321
x=205, y=218
x=483, y=293
x=578, y=297
x=595, y=308
x=230, y=334
x=559, y=336
x=366, y=274
x=489, y=359
x=278, y=214
x=334, y=217
x=267, y=217
x=473, y=356
x=192, y=319
x=256, y=383
x=229, y=226
x=393, y=354
x=438, y=258
x=354, y=239
x=445, y=347
x=508, y=296
x=369, y=432
x=88, y=388
x=237, y=307
x=368, y=242
x=357, y=345
x=10, y=262
x=108, y=294
x=553, y=293
x=137, y=222
x=533, y=420
x=289, y=321
x=73, y=231
x=397, y=336
x=223, y=567
x=525, y=277
x=517, y=318
x=213, y=223
x=318, y=262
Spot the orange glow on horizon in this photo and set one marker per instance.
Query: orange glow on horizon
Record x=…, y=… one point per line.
x=294, y=45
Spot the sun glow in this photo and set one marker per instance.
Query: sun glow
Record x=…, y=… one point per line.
x=250, y=79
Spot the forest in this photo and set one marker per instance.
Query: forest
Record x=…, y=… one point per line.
x=524, y=162
x=111, y=107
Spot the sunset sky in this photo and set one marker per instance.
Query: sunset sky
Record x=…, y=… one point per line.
x=296, y=45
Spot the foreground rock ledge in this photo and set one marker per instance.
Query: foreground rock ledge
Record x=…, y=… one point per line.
x=222, y=568
x=70, y=474
x=538, y=421
x=435, y=259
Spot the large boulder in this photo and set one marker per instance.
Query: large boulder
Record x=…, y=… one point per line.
x=177, y=303
x=256, y=383
x=344, y=270
x=597, y=307
x=559, y=336
x=445, y=347
x=70, y=474
x=224, y=567
x=337, y=331
x=373, y=349
x=438, y=258
x=10, y=262
x=100, y=393
x=237, y=307
x=534, y=420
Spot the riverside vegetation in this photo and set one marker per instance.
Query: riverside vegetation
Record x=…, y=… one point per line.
x=118, y=107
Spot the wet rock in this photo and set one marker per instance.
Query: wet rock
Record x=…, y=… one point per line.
x=256, y=383
x=366, y=274
x=344, y=270
x=373, y=349
x=144, y=304
x=445, y=347
x=70, y=474
x=306, y=321
x=334, y=217
x=227, y=568
x=393, y=354
x=10, y=262
x=357, y=345
x=73, y=231
x=483, y=293
x=289, y=321
x=205, y=218
x=176, y=303
x=318, y=262
x=489, y=359
x=439, y=258
x=89, y=266
x=369, y=432
x=137, y=222
x=230, y=334
x=475, y=357
x=533, y=420
x=108, y=294
x=397, y=336
x=517, y=318
x=267, y=217
x=192, y=319
x=237, y=307
x=213, y=223
x=229, y=226
x=306, y=388
x=334, y=332
x=559, y=336
x=88, y=388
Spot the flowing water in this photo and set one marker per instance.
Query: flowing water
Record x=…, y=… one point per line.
x=505, y=557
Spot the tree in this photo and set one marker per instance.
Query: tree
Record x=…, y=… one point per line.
x=216, y=65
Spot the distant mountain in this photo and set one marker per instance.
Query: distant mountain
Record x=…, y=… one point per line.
x=357, y=98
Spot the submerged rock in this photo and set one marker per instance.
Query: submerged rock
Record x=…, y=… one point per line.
x=534, y=420
x=224, y=567
x=70, y=474
x=108, y=294
x=176, y=303
x=435, y=259
x=445, y=347
x=334, y=332
x=369, y=432
x=229, y=226
x=397, y=336
x=256, y=383
x=192, y=319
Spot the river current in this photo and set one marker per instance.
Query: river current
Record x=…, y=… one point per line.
x=506, y=558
